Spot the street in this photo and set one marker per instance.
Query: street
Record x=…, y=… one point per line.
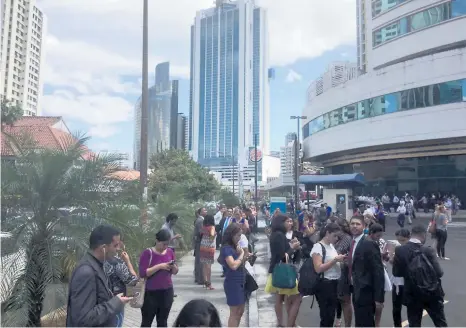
x=453, y=282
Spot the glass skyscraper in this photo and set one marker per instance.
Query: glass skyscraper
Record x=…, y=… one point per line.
x=229, y=96
x=163, y=115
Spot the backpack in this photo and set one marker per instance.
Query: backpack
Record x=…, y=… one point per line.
x=422, y=274
x=308, y=277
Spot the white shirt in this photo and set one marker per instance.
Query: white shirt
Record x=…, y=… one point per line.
x=218, y=217
x=243, y=241
x=334, y=272
x=401, y=209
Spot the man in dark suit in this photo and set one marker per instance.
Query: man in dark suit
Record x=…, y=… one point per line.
x=366, y=275
x=412, y=298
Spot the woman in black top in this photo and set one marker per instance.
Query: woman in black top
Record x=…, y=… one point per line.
x=280, y=250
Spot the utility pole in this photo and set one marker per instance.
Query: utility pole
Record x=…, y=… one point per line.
x=296, y=159
x=144, y=113
x=255, y=169
x=233, y=172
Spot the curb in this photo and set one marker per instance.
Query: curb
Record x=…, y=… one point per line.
x=253, y=308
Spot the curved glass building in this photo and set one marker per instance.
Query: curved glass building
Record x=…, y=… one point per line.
x=402, y=120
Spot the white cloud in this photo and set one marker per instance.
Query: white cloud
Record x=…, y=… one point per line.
x=93, y=109
x=293, y=76
x=94, y=47
x=103, y=131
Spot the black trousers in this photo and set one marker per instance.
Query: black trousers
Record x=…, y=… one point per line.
x=364, y=314
x=157, y=303
x=397, y=304
x=441, y=241
x=339, y=310
x=434, y=307
x=327, y=298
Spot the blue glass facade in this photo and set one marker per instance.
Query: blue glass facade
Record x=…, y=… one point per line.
x=191, y=88
x=219, y=82
x=418, y=21
x=256, y=73
x=381, y=6
x=422, y=97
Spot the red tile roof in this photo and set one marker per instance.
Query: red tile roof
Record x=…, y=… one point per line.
x=41, y=131
x=37, y=120
x=130, y=175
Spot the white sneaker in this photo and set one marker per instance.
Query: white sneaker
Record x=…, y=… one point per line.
x=446, y=258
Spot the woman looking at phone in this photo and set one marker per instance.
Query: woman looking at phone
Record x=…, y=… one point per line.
x=232, y=258
x=326, y=294
x=157, y=264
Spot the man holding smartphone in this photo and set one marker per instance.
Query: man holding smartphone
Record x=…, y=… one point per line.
x=91, y=302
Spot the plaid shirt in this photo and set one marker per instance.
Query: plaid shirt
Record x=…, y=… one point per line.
x=118, y=275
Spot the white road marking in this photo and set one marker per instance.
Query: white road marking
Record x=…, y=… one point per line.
x=424, y=313
x=456, y=224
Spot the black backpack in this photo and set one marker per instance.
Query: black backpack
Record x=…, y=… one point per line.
x=308, y=277
x=422, y=274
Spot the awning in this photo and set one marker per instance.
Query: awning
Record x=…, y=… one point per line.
x=350, y=179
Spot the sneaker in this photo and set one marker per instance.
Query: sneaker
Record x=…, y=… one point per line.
x=446, y=258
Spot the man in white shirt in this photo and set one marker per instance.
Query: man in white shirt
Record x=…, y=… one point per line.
x=218, y=217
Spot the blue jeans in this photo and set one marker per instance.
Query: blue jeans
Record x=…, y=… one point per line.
x=120, y=319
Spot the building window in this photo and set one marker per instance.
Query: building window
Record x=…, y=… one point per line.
x=420, y=20
x=421, y=97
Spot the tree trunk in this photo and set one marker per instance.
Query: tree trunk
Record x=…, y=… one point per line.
x=37, y=277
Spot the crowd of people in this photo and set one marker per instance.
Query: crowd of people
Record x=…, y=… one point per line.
x=348, y=260
x=351, y=277
x=104, y=281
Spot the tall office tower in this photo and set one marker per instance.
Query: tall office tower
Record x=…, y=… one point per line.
x=290, y=136
x=22, y=54
x=162, y=118
x=181, y=131
x=362, y=34
x=229, y=97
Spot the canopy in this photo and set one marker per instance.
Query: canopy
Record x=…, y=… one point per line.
x=349, y=179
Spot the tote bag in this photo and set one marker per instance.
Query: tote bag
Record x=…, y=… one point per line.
x=139, y=289
x=284, y=275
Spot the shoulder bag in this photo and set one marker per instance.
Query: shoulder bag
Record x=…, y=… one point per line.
x=284, y=275
x=139, y=290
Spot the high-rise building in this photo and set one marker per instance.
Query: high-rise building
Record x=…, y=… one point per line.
x=229, y=96
x=22, y=54
x=163, y=115
x=182, y=132
x=412, y=54
x=290, y=137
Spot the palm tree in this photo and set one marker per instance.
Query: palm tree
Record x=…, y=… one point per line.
x=46, y=242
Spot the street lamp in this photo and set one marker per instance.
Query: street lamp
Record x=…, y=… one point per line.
x=144, y=113
x=296, y=157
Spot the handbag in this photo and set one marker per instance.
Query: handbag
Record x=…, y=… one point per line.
x=139, y=289
x=432, y=226
x=284, y=275
x=250, y=284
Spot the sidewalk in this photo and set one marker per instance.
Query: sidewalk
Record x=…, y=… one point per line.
x=186, y=290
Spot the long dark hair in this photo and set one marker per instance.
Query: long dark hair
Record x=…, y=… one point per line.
x=208, y=220
x=330, y=228
x=232, y=230
x=198, y=313
x=278, y=223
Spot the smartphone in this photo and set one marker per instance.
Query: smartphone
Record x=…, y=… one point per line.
x=133, y=295
x=172, y=262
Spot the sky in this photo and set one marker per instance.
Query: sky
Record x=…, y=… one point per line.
x=92, y=74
